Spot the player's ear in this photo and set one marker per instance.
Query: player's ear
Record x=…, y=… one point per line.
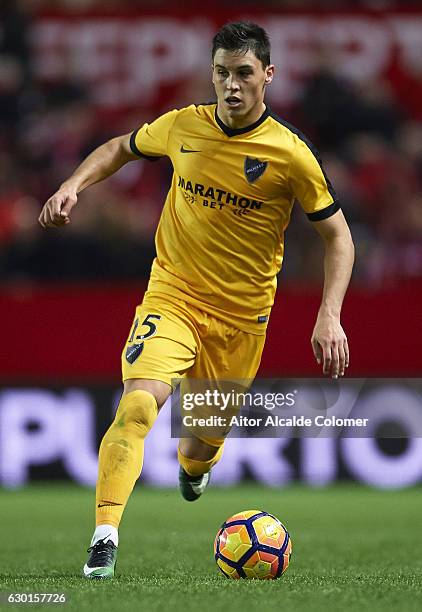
x=212, y=71
x=269, y=74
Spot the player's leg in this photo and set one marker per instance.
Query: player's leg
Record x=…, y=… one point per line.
x=196, y=458
x=120, y=463
x=161, y=347
x=122, y=448
x=227, y=354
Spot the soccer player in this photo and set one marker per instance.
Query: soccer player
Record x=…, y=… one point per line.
x=238, y=169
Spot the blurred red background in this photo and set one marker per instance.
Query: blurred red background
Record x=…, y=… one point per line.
x=73, y=74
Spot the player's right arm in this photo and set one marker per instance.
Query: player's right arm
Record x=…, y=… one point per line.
x=150, y=142
x=101, y=163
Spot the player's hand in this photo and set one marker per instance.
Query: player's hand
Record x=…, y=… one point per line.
x=329, y=343
x=56, y=210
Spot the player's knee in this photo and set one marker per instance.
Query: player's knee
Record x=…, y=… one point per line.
x=157, y=388
x=137, y=409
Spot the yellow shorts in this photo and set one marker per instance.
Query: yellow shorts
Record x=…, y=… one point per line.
x=172, y=340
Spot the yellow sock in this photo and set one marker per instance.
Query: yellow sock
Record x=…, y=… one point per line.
x=195, y=467
x=121, y=455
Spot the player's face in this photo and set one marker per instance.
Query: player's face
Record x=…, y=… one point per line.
x=240, y=80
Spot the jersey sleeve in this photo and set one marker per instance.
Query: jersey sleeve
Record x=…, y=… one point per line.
x=150, y=140
x=309, y=183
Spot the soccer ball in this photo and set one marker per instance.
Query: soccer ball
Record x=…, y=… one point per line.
x=253, y=544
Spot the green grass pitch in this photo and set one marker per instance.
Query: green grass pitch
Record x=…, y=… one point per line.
x=353, y=549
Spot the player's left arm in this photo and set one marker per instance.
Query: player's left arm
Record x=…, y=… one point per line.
x=329, y=342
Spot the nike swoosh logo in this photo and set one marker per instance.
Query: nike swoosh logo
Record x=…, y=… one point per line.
x=199, y=487
x=108, y=504
x=183, y=150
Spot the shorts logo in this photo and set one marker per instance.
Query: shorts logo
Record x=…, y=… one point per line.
x=254, y=168
x=133, y=352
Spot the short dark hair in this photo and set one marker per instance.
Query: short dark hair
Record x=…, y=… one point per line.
x=243, y=36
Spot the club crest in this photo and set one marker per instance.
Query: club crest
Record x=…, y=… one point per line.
x=254, y=168
x=133, y=351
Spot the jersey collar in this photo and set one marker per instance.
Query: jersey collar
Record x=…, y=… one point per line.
x=234, y=132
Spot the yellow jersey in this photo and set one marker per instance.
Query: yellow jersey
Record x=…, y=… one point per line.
x=220, y=239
